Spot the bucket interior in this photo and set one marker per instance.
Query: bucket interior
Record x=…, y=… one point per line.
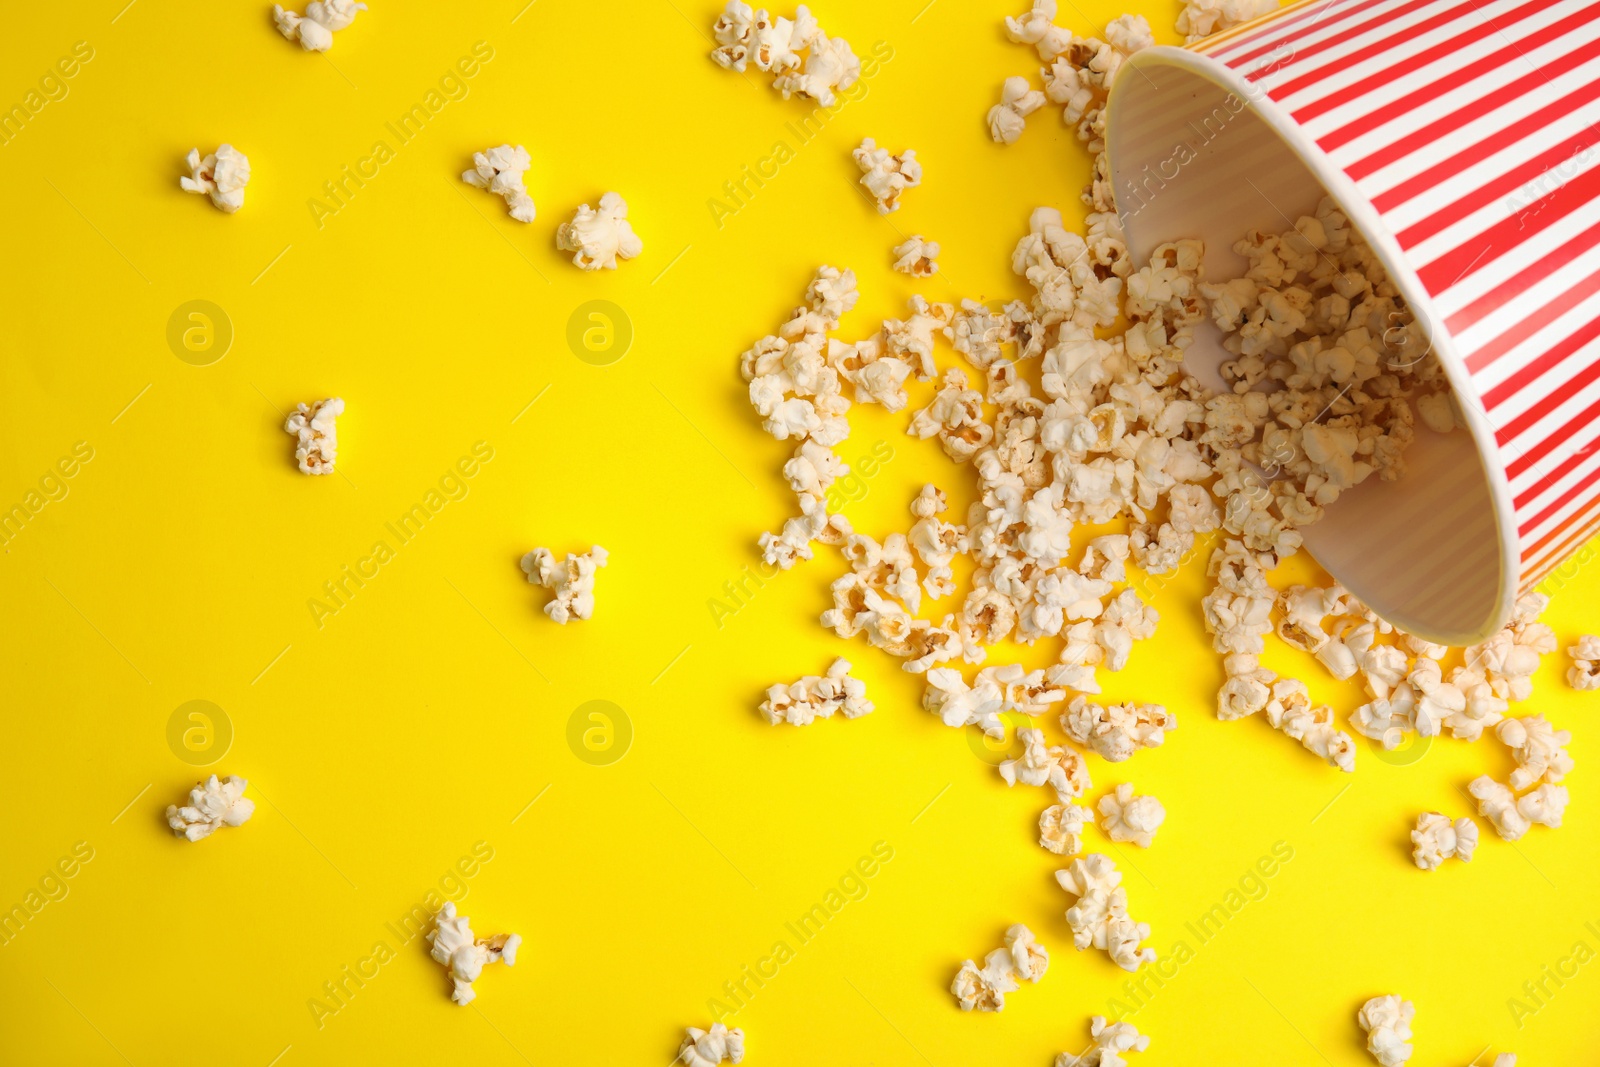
x=1191, y=158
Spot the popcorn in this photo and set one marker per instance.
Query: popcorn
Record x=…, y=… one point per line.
x=1063, y=769
x=1202, y=18
x=917, y=257
x=984, y=989
x=1037, y=27
x=1387, y=1022
x=598, y=239
x=1117, y=731
x=955, y=416
x=212, y=805
x=936, y=543
x=1544, y=806
x=1585, y=670
x=315, y=29
x=1436, y=839
x=1110, y=1040
x=1125, y=817
x=1509, y=658
x=1029, y=959
x=452, y=944
x=1060, y=826
x=316, y=435
x=1499, y=805
x=887, y=176
x=221, y=175
x=803, y=58
x=1100, y=915
x=571, y=581
x=708, y=1048
x=500, y=171
x=1538, y=748
x=1018, y=100
x=814, y=697
x=1290, y=710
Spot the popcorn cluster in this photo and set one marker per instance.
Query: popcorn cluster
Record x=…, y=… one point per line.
x=708, y=1048
x=571, y=581
x=1125, y=817
x=1585, y=670
x=213, y=804
x=221, y=175
x=452, y=944
x=1542, y=761
x=597, y=239
x=813, y=697
x=1108, y=1042
x=885, y=175
x=985, y=988
x=1118, y=731
x=316, y=435
x=1201, y=18
x=1100, y=915
x=1387, y=1022
x=315, y=29
x=500, y=171
x=1436, y=839
x=798, y=53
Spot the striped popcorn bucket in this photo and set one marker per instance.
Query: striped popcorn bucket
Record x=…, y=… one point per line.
x=1460, y=137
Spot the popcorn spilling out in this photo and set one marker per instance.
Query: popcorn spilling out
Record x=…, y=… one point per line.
x=500, y=171
x=1125, y=817
x=814, y=697
x=316, y=435
x=1060, y=826
x=452, y=944
x=571, y=581
x=221, y=175
x=213, y=804
x=315, y=29
x=1078, y=78
x=1062, y=769
x=1100, y=915
x=985, y=988
x=802, y=58
x=1109, y=1042
x=1008, y=118
x=1202, y=18
x=1387, y=1022
x=917, y=257
x=885, y=175
x=598, y=239
x=1436, y=839
x=1585, y=670
x=708, y=1048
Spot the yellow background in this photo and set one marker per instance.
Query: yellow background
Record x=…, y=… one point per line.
x=432, y=709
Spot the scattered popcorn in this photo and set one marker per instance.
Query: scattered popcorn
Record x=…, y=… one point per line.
x=1202, y=18
x=453, y=945
x=1117, y=731
x=1018, y=100
x=571, y=581
x=222, y=176
x=984, y=988
x=1436, y=839
x=1538, y=748
x=316, y=435
x=212, y=805
x=1387, y=1022
x=1585, y=670
x=1061, y=768
x=598, y=239
x=315, y=29
x=887, y=176
x=1100, y=916
x=1110, y=1040
x=814, y=697
x=1060, y=826
x=1125, y=817
x=708, y=1048
x=917, y=257
x=500, y=171
x=803, y=58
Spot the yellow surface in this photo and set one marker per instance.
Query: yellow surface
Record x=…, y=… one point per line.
x=424, y=724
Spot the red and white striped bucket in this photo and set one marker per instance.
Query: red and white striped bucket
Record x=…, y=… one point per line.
x=1462, y=137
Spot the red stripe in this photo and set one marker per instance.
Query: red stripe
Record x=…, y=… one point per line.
x=1474, y=109
x=1565, y=499
x=1525, y=328
x=1554, y=438
x=1550, y=478
x=1276, y=32
x=1507, y=234
x=1376, y=48
x=1419, y=99
x=1519, y=283
x=1587, y=527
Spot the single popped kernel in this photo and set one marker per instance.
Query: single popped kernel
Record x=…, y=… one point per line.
x=1585, y=670
x=1387, y=1022
x=1437, y=839
x=917, y=257
x=814, y=697
x=1109, y=1040
x=1125, y=817
x=571, y=581
x=213, y=804
x=885, y=175
x=708, y=1048
x=598, y=239
x=451, y=943
x=315, y=29
x=500, y=171
x=1008, y=118
x=1060, y=827
x=316, y=435
x=221, y=175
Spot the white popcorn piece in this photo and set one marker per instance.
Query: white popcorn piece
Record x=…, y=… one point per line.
x=1539, y=749
x=315, y=29
x=316, y=435
x=1585, y=670
x=708, y=1048
x=917, y=257
x=1009, y=117
x=598, y=238
x=1062, y=769
x=1108, y=1040
x=1060, y=827
x=221, y=175
x=1202, y=18
x=1100, y=915
x=1289, y=709
x=1115, y=732
x=1437, y=839
x=1387, y=1022
x=500, y=171
x=1037, y=27
x=1029, y=959
x=814, y=697
x=213, y=804
x=1129, y=818
x=984, y=988
x=935, y=542
x=885, y=175
x=452, y=944
x=1544, y=806
x=570, y=581
x=1498, y=804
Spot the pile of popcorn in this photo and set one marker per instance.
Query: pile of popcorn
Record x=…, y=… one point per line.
x=985, y=988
